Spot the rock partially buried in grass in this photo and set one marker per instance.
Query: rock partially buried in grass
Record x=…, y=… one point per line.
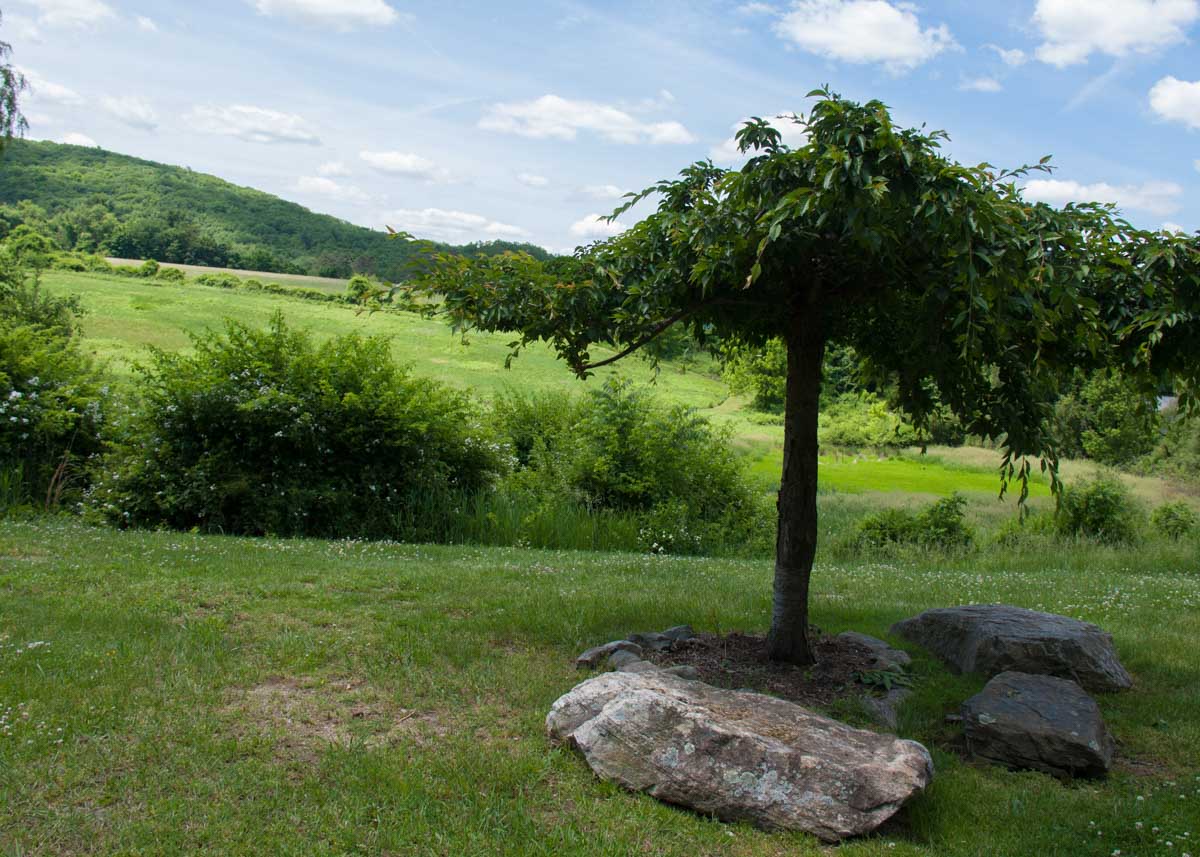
x=737, y=755
x=886, y=657
x=995, y=638
x=1038, y=722
x=883, y=709
x=596, y=655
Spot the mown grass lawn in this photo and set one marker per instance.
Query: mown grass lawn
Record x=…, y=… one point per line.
x=204, y=694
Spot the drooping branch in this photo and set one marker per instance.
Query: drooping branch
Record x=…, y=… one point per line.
x=654, y=333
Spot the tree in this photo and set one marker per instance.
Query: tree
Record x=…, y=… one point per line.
x=939, y=275
x=12, y=84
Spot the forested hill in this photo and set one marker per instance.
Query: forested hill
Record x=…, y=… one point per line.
x=96, y=201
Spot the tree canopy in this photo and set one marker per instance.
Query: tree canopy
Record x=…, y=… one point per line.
x=939, y=275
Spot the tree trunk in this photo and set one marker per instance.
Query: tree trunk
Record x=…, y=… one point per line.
x=796, y=536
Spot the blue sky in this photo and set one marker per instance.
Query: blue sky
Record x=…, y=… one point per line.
x=473, y=120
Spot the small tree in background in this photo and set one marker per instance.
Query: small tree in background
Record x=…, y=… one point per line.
x=940, y=276
x=12, y=84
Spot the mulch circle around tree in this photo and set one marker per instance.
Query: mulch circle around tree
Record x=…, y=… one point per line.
x=738, y=660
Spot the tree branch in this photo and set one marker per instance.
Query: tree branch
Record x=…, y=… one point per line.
x=650, y=337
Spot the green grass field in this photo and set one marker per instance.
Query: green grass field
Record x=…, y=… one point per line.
x=166, y=693
x=125, y=315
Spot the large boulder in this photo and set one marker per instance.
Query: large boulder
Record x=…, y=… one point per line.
x=1038, y=722
x=738, y=755
x=994, y=638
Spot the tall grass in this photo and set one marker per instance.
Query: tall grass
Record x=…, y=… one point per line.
x=13, y=494
x=498, y=518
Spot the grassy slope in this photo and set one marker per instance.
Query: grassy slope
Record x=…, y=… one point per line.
x=225, y=696
x=125, y=315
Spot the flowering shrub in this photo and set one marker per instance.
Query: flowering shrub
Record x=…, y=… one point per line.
x=51, y=409
x=261, y=431
x=51, y=401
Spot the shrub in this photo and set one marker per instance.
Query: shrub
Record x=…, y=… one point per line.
x=67, y=262
x=218, y=280
x=534, y=422
x=51, y=410
x=252, y=285
x=1174, y=520
x=887, y=526
x=148, y=269
x=308, y=294
x=616, y=449
x=942, y=524
x=860, y=420
x=1101, y=508
x=171, y=275
x=97, y=264
x=261, y=431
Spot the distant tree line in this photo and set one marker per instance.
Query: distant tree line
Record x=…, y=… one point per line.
x=95, y=201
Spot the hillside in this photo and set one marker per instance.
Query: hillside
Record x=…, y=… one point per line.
x=92, y=200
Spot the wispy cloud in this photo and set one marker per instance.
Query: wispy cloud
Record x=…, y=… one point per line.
x=553, y=117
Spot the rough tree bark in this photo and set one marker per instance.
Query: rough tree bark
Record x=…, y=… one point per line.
x=796, y=536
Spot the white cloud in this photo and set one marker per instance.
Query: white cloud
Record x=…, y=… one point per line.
x=794, y=136
x=134, y=112
x=980, y=84
x=1196, y=164
x=320, y=186
x=76, y=139
x=756, y=9
x=333, y=168
x=405, y=164
x=342, y=15
x=1173, y=227
x=1010, y=56
x=1074, y=29
x=595, y=226
x=531, y=180
x=253, y=124
x=40, y=88
x=1177, y=100
x=72, y=13
x=864, y=31
x=451, y=226
x=1157, y=198
x=562, y=119
x=603, y=191
x=146, y=25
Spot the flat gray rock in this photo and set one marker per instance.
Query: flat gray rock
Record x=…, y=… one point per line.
x=1040, y=723
x=596, y=655
x=679, y=633
x=994, y=638
x=737, y=755
x=653, y=641
x=886, y=656
x=623, y=657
